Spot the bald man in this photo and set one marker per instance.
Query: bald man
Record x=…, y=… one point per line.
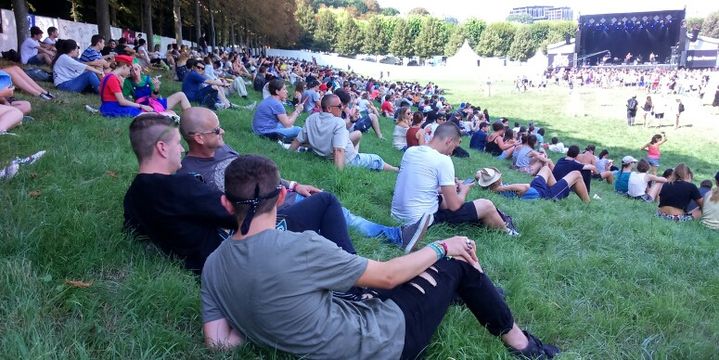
x=209, y=156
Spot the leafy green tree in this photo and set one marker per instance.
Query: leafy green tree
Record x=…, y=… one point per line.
x=326, y=33
x=372, y=43
x=418, y=11
x=349, y=39
x=473, y=29
x=710, y=26
x=455, y=41
x=496, y=39
x=385, y=36
x=431, y=38
x=389, y=11
x=401, y=44
x=307, y=23
x=524, y=45
x=694, y=22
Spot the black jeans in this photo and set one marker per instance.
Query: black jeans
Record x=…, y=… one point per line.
x=423, y=312
x=321, y=213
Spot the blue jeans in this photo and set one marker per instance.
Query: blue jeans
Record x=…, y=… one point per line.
x=287, y=133
x=393, y=235
x=86, y=82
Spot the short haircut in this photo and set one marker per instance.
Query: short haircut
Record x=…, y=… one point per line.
x=554, y=140
x=706, y=184
x=540, y=131
x=275, y=86
x=96, y=39
x=531, y=140
x=447, y=131
x=643, y=166
x=590, y=147
x=326, y=100
x=251, y=177
x=146, y=130
x=496, y=126
x=573, y=151
x=35, y=31
x=483, y=125
x=51, y=30
x=191, y=63
x=141, y=42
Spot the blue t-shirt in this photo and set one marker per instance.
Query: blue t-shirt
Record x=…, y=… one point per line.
x=90, y=54
x=312, y=98
x=191, y=85
x=531, y=194
x=478, y=140
x=265, y=120
x=621, y=181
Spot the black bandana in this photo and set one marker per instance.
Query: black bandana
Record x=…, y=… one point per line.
x=254, y=204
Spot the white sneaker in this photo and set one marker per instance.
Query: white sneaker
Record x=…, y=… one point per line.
x=91, y=109
x=9, y=171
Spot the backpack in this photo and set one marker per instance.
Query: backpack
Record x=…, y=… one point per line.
x=681, y=107
x=11, y=55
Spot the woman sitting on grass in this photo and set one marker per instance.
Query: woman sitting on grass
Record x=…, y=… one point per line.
x=114, y=103
x=639, y=180
x=12, y=111
x=496, y=144
x=527, y=160
x=543, y=186
x=676, y=195
x=146, y=91
x=401, y=127
x=24, y=82
x=70, y=74
x=710, y=215
x=415, y=133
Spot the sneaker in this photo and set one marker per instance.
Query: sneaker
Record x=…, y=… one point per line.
x=47, y=96
x=9, y=171
x=30, y=159
x=410, y=234
x=535, y=349
x=233, y=106
x=5, y=132
x=285, y=146
x=250, y=107
x=27, y=119
x=91, y=109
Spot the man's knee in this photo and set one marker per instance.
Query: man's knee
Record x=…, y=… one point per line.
x=483, y=206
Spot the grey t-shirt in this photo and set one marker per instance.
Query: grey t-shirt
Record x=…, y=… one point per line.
x=275, y=288
x=325, y=132
x=211, y=169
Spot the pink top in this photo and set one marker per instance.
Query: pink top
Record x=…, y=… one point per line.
x=653, y=151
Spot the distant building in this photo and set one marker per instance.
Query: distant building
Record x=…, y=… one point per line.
x=544, y=12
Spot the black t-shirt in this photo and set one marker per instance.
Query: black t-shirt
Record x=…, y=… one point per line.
x=178, y=213
x=678, y=194
x=564, y=166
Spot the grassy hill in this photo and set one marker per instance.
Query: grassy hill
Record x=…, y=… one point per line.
x=604, y=280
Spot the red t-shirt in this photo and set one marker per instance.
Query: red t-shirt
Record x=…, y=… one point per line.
x=111, y=87
x=387, y=107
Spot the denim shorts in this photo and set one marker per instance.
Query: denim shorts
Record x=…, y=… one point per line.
x=368, y=161
x=35, y=60
x=653, y=162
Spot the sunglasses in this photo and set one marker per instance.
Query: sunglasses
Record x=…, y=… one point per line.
x=200, y=67
x=215, y=131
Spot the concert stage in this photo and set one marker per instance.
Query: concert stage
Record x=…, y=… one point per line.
x=633, y=66
x=628, y=38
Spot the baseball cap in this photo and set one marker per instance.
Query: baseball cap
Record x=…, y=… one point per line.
x=123, y=59
x=628, y=160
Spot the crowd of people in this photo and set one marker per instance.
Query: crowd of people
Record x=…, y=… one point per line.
x=223, y=213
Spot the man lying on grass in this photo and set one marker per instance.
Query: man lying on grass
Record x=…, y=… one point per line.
x=208, y=156
x=426, y=168
x=183, y=216
x=275, y=288
x=543, y=186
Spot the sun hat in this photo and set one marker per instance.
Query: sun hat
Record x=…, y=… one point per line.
x=628, y=160
x=487, y=176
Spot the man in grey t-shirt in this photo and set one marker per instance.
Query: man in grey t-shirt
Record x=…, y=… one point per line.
x=327, y=135
x=276, y=288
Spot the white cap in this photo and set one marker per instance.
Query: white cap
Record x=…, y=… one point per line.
x=628, y=160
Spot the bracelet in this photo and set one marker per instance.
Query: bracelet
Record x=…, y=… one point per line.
x=444, y=246
x=438, y=250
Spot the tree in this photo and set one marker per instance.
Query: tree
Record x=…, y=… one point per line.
x=456, y=39
x=710, y=26
x=147, y=22
x=524, y=45
x=401, y=44
x=307, y=23
x=431, y=38
x=19, y=7
x=178, y=20
x=473, y=29
x=390, y=11
x=326, y=33
x=373, y=6
x=198, y=21
x=418, y=11
x=522, y=18
x=349, y=39
x=103, y=18
x=694, y=22
x=373, y=39
x=496, y=39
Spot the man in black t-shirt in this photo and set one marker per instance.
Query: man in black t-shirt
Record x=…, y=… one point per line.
x=568, y=164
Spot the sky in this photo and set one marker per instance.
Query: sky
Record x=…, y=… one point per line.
x=462, y=9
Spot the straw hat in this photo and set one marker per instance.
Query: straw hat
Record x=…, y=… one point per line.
x=487, y=176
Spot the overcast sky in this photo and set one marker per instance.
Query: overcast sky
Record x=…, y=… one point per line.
x=462, y=9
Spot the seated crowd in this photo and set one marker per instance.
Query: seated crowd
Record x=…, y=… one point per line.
x=223, y=213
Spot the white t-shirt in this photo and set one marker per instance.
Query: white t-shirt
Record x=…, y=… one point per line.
x=363, y=104
x=66, y=68
x=28, y=49
x=637, y=184
x=422, y=172
x=49, y=41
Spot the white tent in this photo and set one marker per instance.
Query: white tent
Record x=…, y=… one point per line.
x=465, y=57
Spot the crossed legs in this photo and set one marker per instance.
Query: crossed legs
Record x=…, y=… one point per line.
x=24, y=82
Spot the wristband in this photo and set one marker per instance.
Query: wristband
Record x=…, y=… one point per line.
x=293, y=185
x=444, y=246
x=437, y=250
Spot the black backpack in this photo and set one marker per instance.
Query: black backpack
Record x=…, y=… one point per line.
x=11, y=55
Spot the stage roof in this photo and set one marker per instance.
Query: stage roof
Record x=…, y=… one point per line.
x=622, y=18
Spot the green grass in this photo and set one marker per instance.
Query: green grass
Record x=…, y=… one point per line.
x=606, y=280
